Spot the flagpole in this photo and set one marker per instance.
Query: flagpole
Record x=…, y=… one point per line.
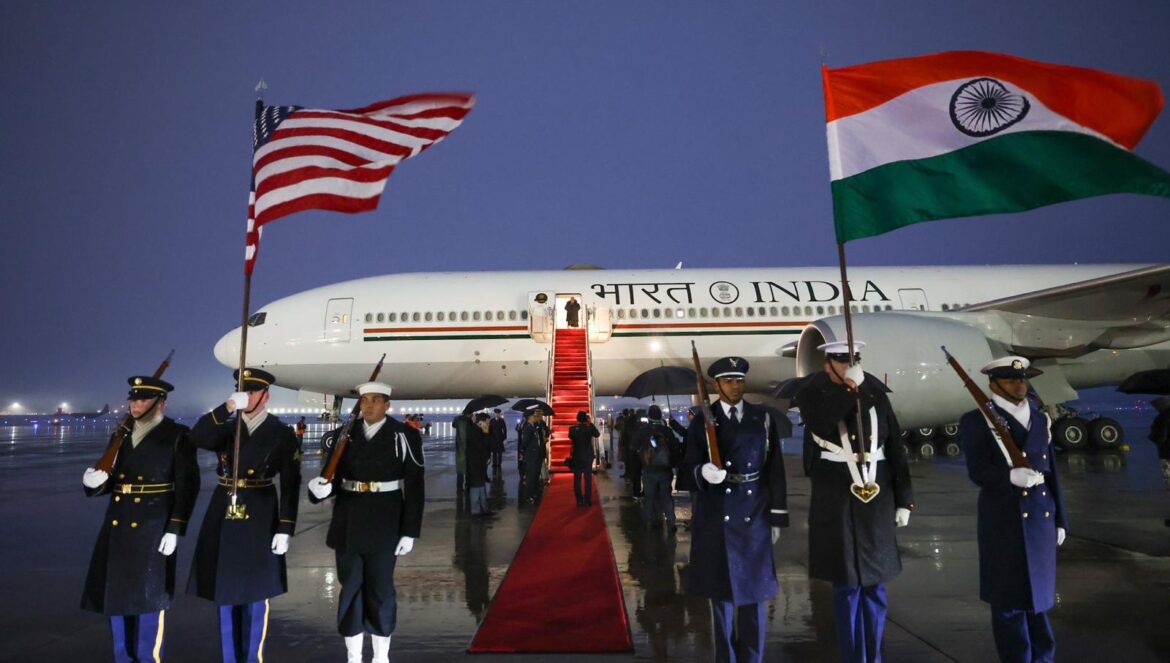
x=846, y=296
x=236, y=511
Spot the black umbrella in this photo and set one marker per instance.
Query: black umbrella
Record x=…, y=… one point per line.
x=483, y=403
x=526, y=404
x=662, y=380
x=1156, y=381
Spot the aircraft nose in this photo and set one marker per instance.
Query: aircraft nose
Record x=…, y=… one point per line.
x=227, y=349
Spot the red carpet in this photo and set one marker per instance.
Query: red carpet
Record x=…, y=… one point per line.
x=561, y=594
x=570, y=392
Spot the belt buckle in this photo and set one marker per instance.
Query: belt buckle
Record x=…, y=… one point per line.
x=374, y=486
x=241, y=483
x=125, y=488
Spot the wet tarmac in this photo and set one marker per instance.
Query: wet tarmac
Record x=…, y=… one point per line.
x=1113, y=576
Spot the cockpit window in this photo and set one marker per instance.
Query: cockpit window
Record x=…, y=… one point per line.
x=257, y=319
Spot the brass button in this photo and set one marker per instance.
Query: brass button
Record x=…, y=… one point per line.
x=251, y=472
x=1024, y=454
x=117, y=498
x=725, y=519
x=728, y=491
x=1044, y=493
x=114, y=523
x=133, y=524
x=1024, y=493
x=140, y=477
x=137, y=500
x=749, y=491
x=1025, y=514
x=121, y=475
x=1045, y=456
x=749, y=464
x=726, y=463
x=852, y=437
x=747, y=519
x=1046, y=514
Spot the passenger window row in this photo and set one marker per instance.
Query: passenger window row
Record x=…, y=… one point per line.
x=742, y=311
x=446, y=316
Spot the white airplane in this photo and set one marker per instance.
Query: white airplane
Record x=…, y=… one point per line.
x=454, y=335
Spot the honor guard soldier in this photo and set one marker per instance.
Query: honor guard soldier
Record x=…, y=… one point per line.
x=377, y=516
x=739, y=509
x=1021, y=515
x=860, y=493
x=239, y=561
x=155, y=480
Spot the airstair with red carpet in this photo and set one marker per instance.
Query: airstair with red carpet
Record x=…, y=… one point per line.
x=569, y=390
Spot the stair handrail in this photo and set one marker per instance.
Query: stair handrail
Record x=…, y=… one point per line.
x=552, y=355
x=589, y=358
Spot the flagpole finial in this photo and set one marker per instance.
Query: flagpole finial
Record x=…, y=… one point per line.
x=260, y=88
x=824, y=55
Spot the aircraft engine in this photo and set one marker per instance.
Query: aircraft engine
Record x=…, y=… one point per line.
x=904, y=351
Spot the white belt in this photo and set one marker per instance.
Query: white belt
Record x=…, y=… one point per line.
x=371, y=486
x=841, y=456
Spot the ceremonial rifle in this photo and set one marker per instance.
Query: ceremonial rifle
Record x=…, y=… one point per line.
x=343, y=439
x=708, y=422
x=106, y=462
x=985, y=406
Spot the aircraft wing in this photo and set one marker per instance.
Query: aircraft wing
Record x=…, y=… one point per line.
x=1121, y=311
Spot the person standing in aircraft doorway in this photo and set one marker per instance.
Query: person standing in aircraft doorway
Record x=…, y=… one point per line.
x=573, y=312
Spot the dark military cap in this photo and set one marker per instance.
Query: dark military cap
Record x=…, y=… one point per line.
x=255, y=379
x=1011, y=367
x=148, y=386
x=731, y=368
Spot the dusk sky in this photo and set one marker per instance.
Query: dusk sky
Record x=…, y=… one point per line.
x=625, y=134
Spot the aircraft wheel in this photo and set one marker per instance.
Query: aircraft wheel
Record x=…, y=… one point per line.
x=953, y=449
x=926, y=450
x=949, y=432
x=1071, y=433
x=925, y=433
x=1104, y=433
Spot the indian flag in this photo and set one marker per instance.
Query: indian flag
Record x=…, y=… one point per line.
x=967, y=133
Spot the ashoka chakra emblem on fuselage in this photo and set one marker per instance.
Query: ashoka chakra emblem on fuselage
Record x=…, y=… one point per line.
x=983, y=106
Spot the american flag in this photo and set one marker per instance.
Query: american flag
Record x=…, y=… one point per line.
x=338, y=160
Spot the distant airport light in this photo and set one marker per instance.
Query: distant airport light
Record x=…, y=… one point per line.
x=64, y=406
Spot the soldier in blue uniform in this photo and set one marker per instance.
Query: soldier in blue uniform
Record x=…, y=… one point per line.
x=239, y=563
x=860, y=493
x=376, y=518
x=739, y=509
x=155, y=480
x=1021, y=515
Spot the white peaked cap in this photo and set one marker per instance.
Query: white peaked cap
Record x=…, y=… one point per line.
x=374, y=388
x=840, y=347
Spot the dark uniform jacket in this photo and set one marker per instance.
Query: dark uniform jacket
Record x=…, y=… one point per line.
x=581, y=435
x=731, y=547
x=374, y=522
x=478, y=454
x=852, y=543
x=127, y=574
x=1017, y=526
x=234, y=563
x=498, y=434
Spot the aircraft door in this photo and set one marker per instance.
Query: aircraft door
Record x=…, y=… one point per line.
x=600, y=323
x=337, y=318
x=540, y=316
x=913, y=299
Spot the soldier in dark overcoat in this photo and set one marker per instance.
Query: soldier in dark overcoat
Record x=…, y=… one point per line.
x=478, y=456
x=661, y=453
x=851, y=541
x=581, y=436
x=739, y=509
x=532, y=440
x=239, y=562
x=152, y=491
x=498, y=435
x=1021, y=515
x=380, y=494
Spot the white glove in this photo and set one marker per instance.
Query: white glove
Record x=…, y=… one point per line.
x=279, y=544
x=1060, y=533
x=901, y=517
x=94, y=478
x=1020, y=477
x=320, y=488
x=855, y=373
x=238, y=400
x=712, y=473
x=168, y=543
x=1037, y=478
x=775, y=535
x=405, y=545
